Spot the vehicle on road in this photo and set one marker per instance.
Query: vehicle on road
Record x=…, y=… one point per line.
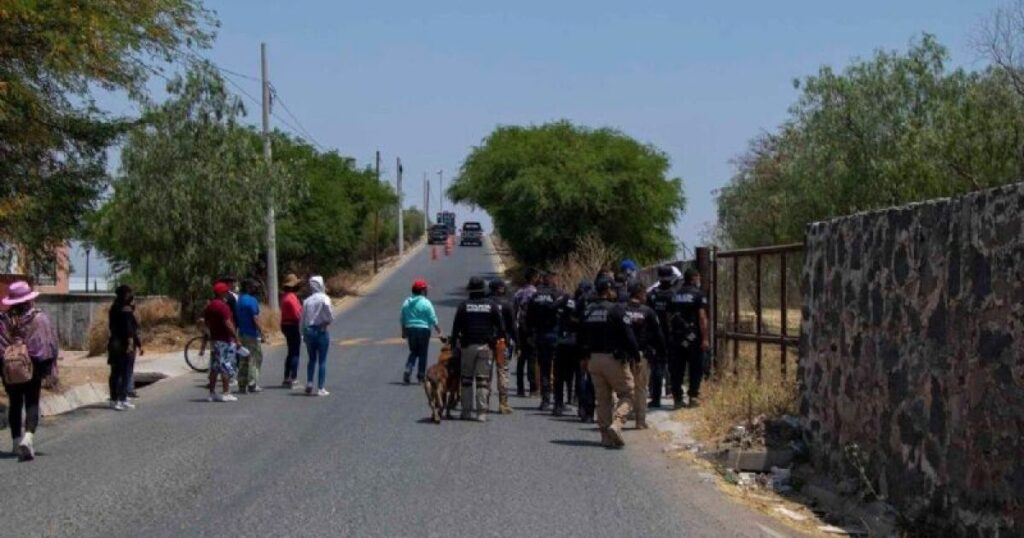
x=437, y=235
x=448, y=219
x=472, y=234
x=198, y=350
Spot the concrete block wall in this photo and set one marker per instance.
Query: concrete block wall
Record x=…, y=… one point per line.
x=912, y=351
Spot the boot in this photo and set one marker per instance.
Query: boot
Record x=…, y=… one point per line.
x=606, y=441
x=503, y=407
x=615, y=436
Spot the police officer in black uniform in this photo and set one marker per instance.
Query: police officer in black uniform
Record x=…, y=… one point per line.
x=689, y=310
x=651, y=340
x=609, y=345
x=542, y=319
x=659, y=299
x=585, y=295
x=478, y=325
x=567, y=354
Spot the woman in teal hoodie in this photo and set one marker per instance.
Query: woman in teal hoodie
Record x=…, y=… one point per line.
x=418, y=317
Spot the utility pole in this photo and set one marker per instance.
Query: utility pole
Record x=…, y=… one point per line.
x=440, y=191
x=271, y=226
x=376, y=216
x=401, y=225
x=426, y=203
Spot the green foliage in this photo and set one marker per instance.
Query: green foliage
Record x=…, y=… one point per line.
x=546, y=187
x=192, y=196
x=53, y=139
x=327, y=214
x=888, y=131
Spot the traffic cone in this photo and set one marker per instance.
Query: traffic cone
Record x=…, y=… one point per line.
x=447, y=249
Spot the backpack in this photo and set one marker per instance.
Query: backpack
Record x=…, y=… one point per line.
x=17, y=366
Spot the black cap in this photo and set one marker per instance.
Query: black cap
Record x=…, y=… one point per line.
x=665, y=271
x=637, y=288
x=602, y=284
x=497, y=284
x=476, y=284
x=585, y=285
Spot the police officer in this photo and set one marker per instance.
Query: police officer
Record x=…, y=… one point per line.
x=659, y=299
x=624, y=279
x=499, y=294
x=542, y=320
x=585, y=295
x=689, y=312
x=647, y=330
x=478, y=326
x=527, y=358
x=608, y=343
x=567, y=355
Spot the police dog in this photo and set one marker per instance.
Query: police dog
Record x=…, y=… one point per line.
x=442, y=383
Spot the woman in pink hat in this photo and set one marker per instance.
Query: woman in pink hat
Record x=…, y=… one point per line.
x=25, y=323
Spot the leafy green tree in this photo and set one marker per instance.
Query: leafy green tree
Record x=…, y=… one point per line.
x=888, y=131
x=327, y=212
x=547, y=186
x=53, y=139
x=192, y=195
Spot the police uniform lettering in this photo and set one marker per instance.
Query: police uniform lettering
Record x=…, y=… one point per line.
x=478, y=308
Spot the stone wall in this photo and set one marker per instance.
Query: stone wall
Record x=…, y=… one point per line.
x=912, y=350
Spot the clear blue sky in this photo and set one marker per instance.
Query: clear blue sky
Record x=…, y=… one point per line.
x=428, y=80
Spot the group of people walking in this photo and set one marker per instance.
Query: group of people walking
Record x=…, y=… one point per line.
x=606, y=347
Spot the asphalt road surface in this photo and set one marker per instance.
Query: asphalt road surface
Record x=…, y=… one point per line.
x=360, y=462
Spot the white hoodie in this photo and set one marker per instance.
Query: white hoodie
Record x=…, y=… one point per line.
x=316, y=309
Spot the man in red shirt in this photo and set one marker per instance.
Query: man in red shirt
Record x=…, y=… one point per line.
x=224, y=342
x=291, y=311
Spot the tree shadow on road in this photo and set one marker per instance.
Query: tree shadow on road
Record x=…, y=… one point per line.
x=577, y=443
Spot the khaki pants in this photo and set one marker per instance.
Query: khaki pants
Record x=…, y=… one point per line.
x=249, y=367
x=641, y=377
x=611, y=376
x=476, y=371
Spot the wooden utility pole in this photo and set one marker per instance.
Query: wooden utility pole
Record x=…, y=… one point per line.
x=376, y=217
x=426, y=203
x=401, y=224
x=440, y=189
x=271, y=226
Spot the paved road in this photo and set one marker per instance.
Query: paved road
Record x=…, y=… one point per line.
x=361, y=462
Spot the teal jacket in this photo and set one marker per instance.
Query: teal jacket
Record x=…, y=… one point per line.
x=418, y=313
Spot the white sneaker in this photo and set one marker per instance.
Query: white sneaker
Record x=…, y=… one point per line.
x=228, y=398
x=127, y=405
x=25, y=450
x=323, y=392
x=15, y=445
x=118, y=406
x=113, y=404
x=212, y=397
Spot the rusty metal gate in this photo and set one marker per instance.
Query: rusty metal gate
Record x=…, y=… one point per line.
x=730, y=325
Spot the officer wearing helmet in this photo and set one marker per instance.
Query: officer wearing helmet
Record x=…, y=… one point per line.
x=659, y=298
x=499, y=295
x=478, y=326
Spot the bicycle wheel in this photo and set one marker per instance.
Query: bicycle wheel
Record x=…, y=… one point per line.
x=197, y=354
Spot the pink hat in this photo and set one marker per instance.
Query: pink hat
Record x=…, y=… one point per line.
x=19, y=292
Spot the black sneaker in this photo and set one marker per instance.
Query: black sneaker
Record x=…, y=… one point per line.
x=558, y=411
x=520, y=393
x=405, y=378
x=545, y=406
x=654, y=404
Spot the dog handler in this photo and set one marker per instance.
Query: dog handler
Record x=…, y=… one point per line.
x=478, y=326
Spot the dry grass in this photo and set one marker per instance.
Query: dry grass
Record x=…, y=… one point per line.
x=161, y=329
x=589, y=257
x=729, y=400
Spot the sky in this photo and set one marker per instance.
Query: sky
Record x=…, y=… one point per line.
x=427, y=81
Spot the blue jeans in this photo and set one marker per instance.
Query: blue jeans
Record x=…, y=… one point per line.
x=317, y=342
x=419, y=344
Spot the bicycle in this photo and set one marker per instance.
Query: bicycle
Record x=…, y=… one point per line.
x=198, y=351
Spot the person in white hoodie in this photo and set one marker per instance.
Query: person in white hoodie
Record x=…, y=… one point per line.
x=316, y=317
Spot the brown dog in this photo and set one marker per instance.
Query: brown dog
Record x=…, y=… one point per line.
x=442, y=383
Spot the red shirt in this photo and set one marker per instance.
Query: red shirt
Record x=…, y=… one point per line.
x=218, y=317
x=291, y=309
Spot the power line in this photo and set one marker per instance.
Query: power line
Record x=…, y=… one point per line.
x=288, y=111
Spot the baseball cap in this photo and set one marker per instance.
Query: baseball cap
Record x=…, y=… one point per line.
x=220, y=288
x=419, y=285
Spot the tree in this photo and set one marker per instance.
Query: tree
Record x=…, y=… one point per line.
x=53, y=139
x=888, y=131
x=327, y=214
x=545, y=187
x=192, y=195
